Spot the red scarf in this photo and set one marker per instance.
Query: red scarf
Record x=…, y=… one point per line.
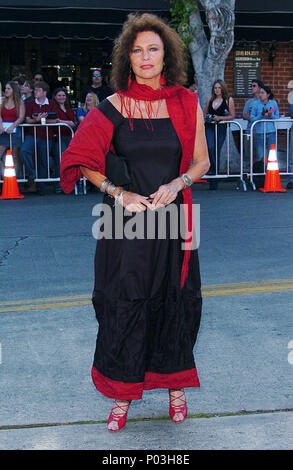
x=93, y=139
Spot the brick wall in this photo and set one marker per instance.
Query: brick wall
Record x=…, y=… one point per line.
x=276, y=77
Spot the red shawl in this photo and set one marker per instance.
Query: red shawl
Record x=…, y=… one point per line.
x=93, y=138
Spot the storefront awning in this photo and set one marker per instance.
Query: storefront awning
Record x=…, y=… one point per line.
x=89, y=4
x=65, y=24
x=70, y=19
x=240, y=5
x=263, y=20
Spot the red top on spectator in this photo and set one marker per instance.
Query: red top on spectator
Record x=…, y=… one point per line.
x=8, y=115
x=68, y=116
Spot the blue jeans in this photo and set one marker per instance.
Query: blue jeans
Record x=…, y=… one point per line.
x=26, y=154
x=214, y=156
x=260, y=146
x=64, y=142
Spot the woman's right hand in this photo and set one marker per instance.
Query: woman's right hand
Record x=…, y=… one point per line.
x=134, y=202
x=2, y=130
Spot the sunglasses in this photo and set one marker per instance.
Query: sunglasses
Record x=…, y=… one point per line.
x=254, y=85
x=97, y=75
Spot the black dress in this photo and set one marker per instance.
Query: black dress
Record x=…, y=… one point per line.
x=147, y=324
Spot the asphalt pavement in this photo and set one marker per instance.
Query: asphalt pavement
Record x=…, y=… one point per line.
x=243, y=353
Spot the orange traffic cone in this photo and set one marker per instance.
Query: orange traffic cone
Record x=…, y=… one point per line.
x=10, y=186
x=272, y=181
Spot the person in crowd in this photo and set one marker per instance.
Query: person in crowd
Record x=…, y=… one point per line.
x=219, y=107
x=264, y=133
x=91, y=101
x=255, y=88
x=290, y=101
x=38, y=77
x=36, y=111
x=11, y=115
x=65, y=115
x=97, y=87
x=27, y=90
x=147, y=294
x=18, y=79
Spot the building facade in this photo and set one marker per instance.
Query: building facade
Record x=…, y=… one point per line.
x=67, y=39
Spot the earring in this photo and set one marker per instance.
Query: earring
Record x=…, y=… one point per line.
x=129, y=77
x=162, y=78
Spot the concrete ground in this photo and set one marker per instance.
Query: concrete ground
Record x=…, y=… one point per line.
x=243, y=353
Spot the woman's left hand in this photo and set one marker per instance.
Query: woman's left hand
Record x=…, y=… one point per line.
x=166, y=193
x=216, y=118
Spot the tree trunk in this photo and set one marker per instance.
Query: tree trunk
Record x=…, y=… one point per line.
x=209, y=57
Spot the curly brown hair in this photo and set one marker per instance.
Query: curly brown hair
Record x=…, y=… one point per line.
x=174, y=59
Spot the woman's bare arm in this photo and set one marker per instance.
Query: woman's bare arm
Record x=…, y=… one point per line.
x=132, y=201
x=167, y=193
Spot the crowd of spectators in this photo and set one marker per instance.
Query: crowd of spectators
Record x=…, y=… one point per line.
x=263, y=107
x=260, y=107
x=38, y=149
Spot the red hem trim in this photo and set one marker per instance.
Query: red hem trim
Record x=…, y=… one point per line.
x=133, y=391
x=115, y=389
x=183, y=379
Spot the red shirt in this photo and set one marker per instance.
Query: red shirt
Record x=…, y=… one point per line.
x=8, y=115
x=65, y=116
x=32, y=107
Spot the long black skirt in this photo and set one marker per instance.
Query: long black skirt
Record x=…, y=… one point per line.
x=148, y=325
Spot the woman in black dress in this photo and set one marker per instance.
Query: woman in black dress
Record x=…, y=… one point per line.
x=219, y=107
x=147, y=294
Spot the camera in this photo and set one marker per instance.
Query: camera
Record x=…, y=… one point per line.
x=264, y=111
x=209, y=118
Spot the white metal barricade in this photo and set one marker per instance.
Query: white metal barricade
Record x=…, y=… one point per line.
x=286, y=167
x=51, y=153
x=238, y=173
x=288, y=162
x=80, y=187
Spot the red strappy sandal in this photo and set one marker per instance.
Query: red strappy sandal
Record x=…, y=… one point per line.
x=120, y=417
x=175, y=409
